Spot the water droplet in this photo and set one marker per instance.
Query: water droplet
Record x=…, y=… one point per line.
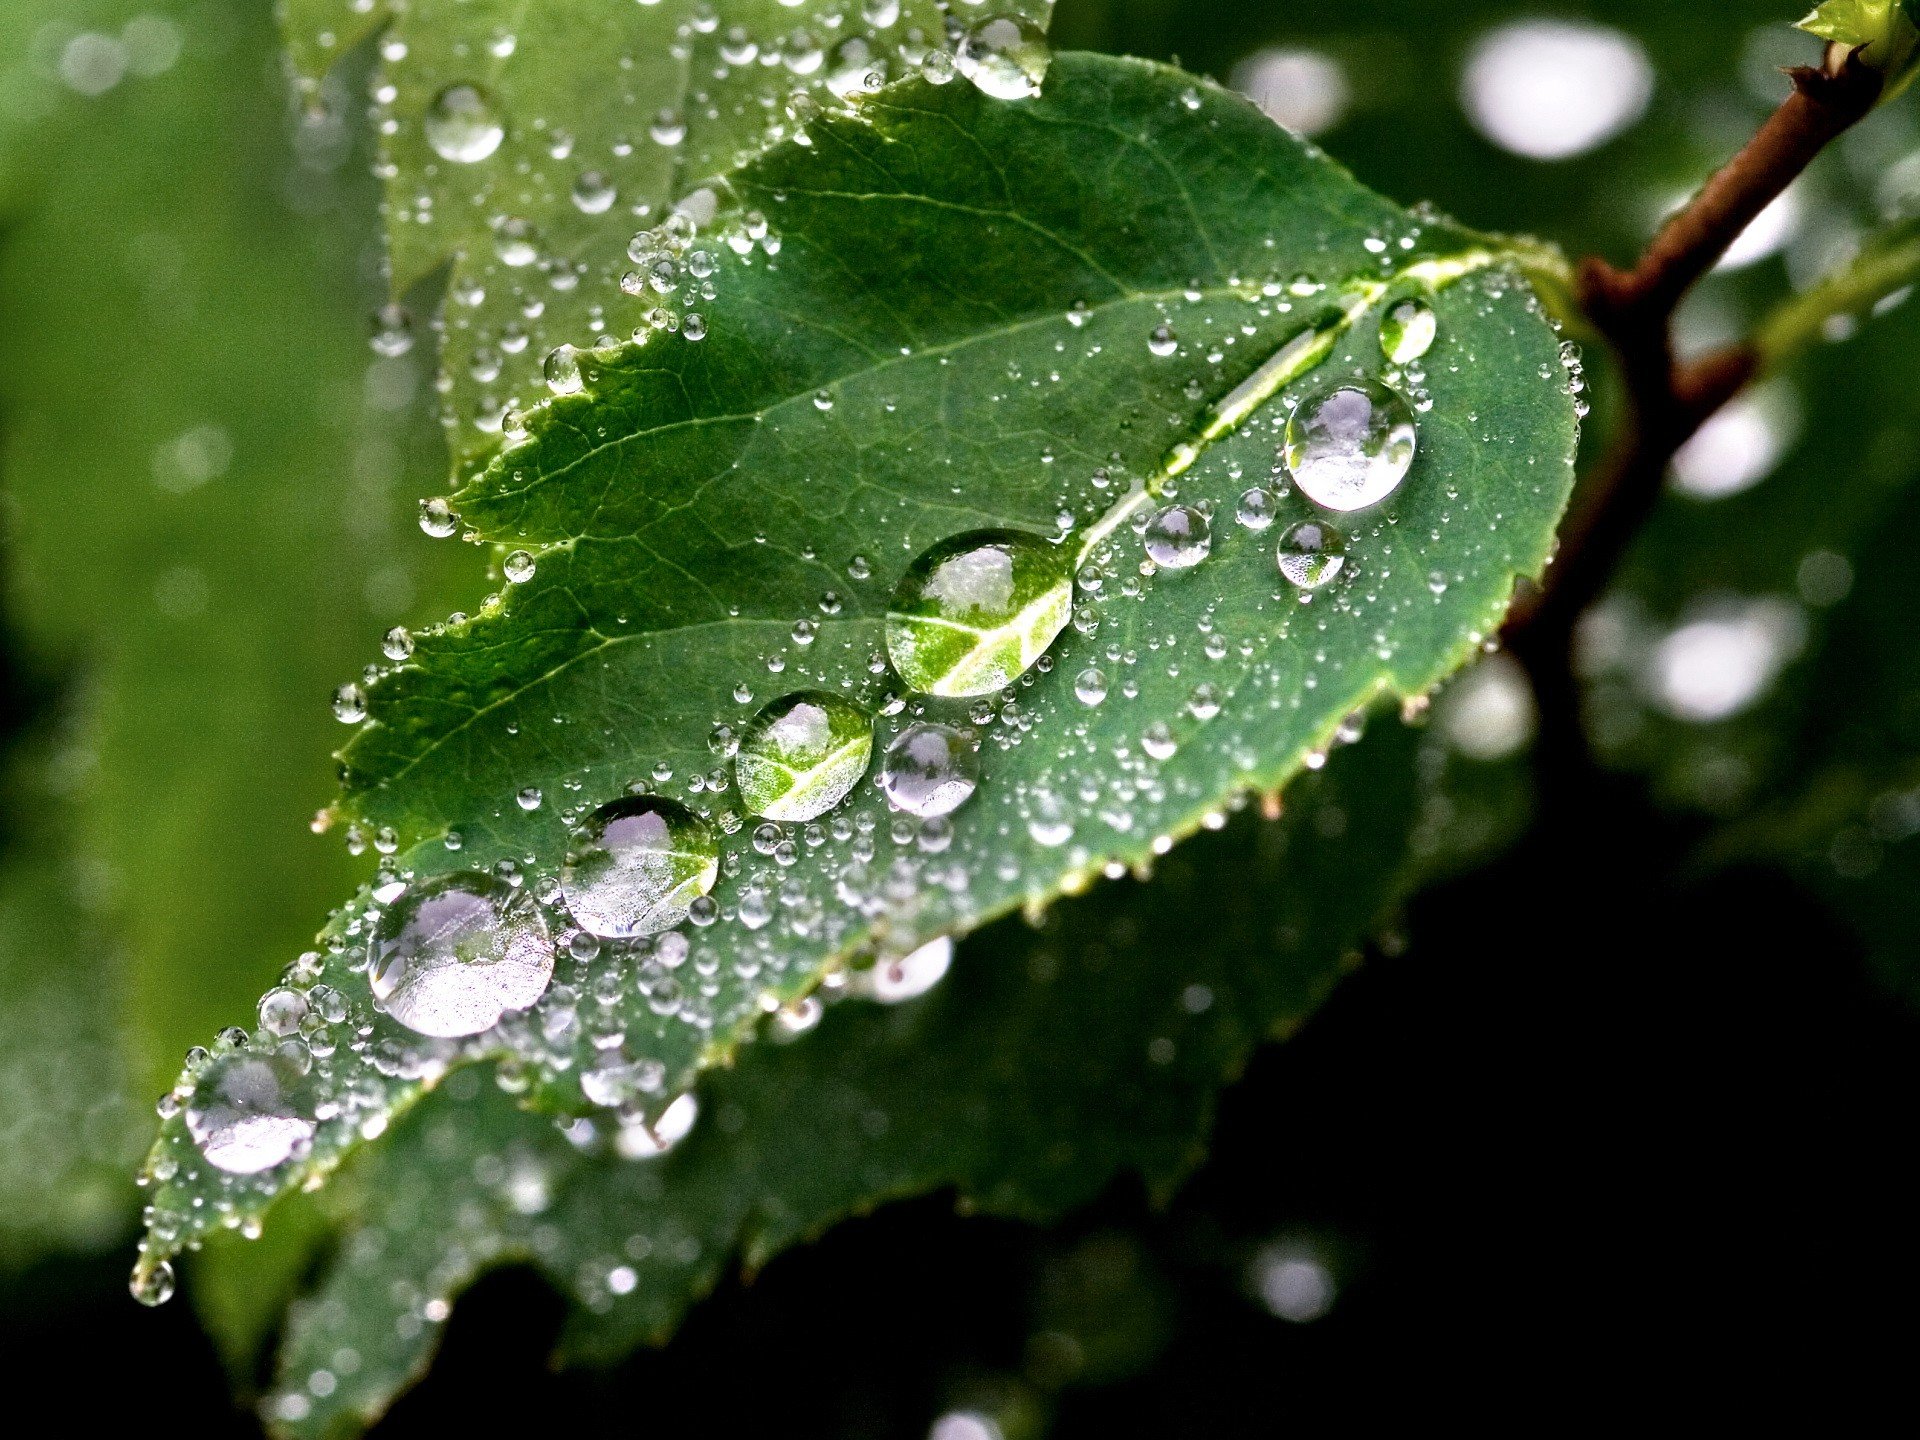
x=1006, y=58
x=455, y=953
x=463, y=125
x=528, y=797
x=930, y=769
x=1049, y=819
x=972, y=614
x=802, y=754
x=1158, y=741
x=593, y=193
x=1407, y=331
x=438, y=518
x=1090, y=685
x=1350, y=447
x=1311, y=554
x=912, y=975
x=1256, y=509
x=349, y=704
x=397, y=644
x=1162, y=341
x=518, y=567
x=392, y=331
x=1178, y=537
x=250, y=1112
x=562, y=369
x=152, y=1286
x=636, y=866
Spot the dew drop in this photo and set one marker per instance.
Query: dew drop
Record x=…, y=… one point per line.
x=250, y=1112
x=930, y=769
x=518, y=567
x=397, y=644
x=636, y=865
x=912, y=975
x=438, y=518
x=1311, y=554
x=463, y=125
x=1407, y=331
x=1256, y=508
x=1006, y=58
x=349, y=704
x=1350, y=447
x=1162, y=341
x=455, y=953
x=1178, y=537
x=973, y=614
x=562, y=370
x=1090, y=686
x=802, y=754
x=152, y=1286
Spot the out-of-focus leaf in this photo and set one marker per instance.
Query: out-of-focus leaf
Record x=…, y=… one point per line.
x=937, y=347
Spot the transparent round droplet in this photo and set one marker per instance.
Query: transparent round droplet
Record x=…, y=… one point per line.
x=455, y=953
x=1090, y=686
x=1407, y=331
x=463, y=124
x=801, y=755
x=518, y=567
x=153, y=1285
x=1311, y=554
x=1178, y=537
x=593, y=193
x=1162, y=341
x=974, y=613
x=1257, y=508
x=349, y=704
x=1006, y=58
x=438, y=518
x=250, y=1112
x=1049, y=819
x=636, y=866
x=1350, y=447
x=562, y=370
x=930, y=769
x=397, y=643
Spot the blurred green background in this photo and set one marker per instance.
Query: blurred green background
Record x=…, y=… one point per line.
x=209, y=483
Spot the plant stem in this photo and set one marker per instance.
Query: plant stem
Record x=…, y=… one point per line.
x=1666, y=402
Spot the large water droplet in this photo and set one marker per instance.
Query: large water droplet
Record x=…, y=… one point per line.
x=1178, y=537
x=1006, y=58
x=1311, y=554
x=974, y=612
x=1350, y=447
x=636, y=866
x=463, y=124
x=802, y=754
x=930, y=769
x=152, y=1286
x=1407, y=331
x=455, y=953
x=250, y=1112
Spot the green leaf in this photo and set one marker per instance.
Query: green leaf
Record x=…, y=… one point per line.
x=1887, y=32
x=1156, y=995
x=533, y=234
x=1116, y=301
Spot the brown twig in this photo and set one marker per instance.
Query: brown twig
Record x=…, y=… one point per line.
x=1666, y=402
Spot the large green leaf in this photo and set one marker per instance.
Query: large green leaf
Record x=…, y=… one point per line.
x=1107, y=1031
x=981, y=313
x=608, y=114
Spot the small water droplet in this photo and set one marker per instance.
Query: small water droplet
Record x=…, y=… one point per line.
x=455, y=953
x=1311, y=554
x=1407, y=331
x=930, y=769
x=802, y=754
x=1178, y=537
x=562, y=370
x=1090, y=686
x=1257, y=508
x=1006, y=58
x=1350, y=447
x=1162, y=341
x=973, y=614
x=518, y=567
x=463, y=124
x=349, y=704
x=636, y=865
x=250, y=1112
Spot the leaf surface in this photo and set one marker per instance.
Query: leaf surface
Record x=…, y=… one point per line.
x=1040, y=316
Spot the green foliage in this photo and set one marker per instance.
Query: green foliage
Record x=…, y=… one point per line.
x=884, y=382
x=609, y=115
x=1158, y=992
